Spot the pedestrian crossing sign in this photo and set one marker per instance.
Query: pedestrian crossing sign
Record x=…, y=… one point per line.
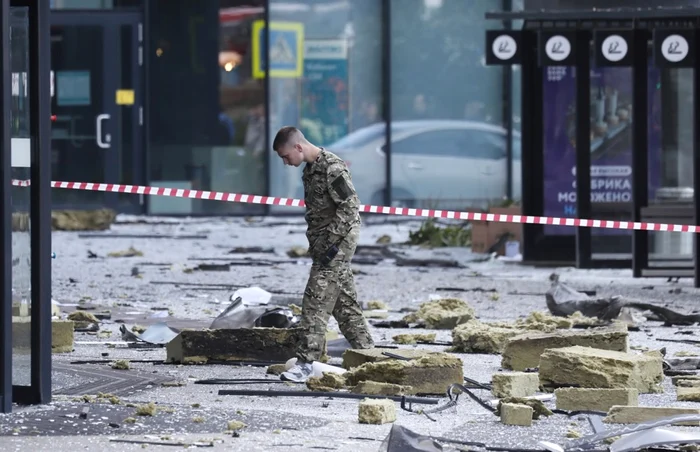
x=286, y=49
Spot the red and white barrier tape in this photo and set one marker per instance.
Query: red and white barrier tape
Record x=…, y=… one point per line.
x=402, y=211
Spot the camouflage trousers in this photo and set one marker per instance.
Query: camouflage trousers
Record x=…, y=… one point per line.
x=331, y=291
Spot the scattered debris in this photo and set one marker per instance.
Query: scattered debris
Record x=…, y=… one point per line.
x=445, y=313
x=430, y=374
x=571, y=433
x=330, y=381
x=264, y=344
x=514, y=384
x=377, y=388
x=639, y=414
x=563, y=301
x=444, y=263
x=384, y=240
x=356, y=357
x=147, y=410
x=596, y=368
x=595, y=399
x=157, y=334
x=121, y=364
x=82, y=220
x=235, y=425
x=138, y=329
x=276, y=369
x=143, y=236
x=251, y=250
x=538, y=408
x=376, y=305
x=83, y=319
x=298, y=251
x=516, y=414
x=477, y=337
x=409, y=339
x=210, y=268
x=376, y=411
x=524, y=351
x=131, y=252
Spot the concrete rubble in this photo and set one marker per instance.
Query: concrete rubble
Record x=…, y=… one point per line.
x=597, y=368
x=594, y=399
x=639, y=414
x=430, y=374
x=376, y=411
x=442, y=314
x=516, y=414
x=355, y=358
x=570, y=362
x=514, y=384
x=201, y=346
x=524, y=351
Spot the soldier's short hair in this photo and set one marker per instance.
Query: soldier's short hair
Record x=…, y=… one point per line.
x=284, y=136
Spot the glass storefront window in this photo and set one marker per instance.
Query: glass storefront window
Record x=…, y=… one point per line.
x=672, y=164
x=207, y=110
x=335, y=99
x=451, y=150
x=21, y=162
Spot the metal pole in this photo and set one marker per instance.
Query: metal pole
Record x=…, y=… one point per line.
x=6, y=207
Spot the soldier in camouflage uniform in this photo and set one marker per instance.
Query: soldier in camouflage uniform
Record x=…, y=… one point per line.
x=333, y=219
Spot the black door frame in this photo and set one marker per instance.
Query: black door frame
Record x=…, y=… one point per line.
x=538, y=247
x=39, y=390
x=110, y=21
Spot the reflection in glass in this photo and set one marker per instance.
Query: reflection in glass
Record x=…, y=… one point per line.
x=207, y=111
x=673, y=99
x=451, y=105
x=337, y=101
x=21, y=243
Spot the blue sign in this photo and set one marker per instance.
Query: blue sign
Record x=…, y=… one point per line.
x=325, y=102
x=286, y=49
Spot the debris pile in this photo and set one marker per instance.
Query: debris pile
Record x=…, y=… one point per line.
x=82, y=220
x=442, y=314
x=429, y=374
x=587, y=367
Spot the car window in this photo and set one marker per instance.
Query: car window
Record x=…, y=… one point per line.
x=435, y=142
x=488, y=145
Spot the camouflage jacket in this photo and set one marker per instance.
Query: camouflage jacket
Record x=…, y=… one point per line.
x=332, y=204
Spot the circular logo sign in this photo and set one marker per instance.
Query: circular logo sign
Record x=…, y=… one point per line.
x=558, y=48
x=504, y=47
x=614, y=48
x=674, y=48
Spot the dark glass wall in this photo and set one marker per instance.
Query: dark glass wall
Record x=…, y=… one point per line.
x=448, y=141
x=206, y=111
x=336, y=98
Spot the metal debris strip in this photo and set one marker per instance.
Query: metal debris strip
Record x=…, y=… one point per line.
x=141, y=236
x=242, y=381
x=401, y=439
x=162, y=443
x=588, y=442
x=563, y=300
x=332, y=395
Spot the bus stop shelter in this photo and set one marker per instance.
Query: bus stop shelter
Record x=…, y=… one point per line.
x=25, y=204
x=608, y=121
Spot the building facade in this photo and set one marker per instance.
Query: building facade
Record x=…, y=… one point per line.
x=185, y=94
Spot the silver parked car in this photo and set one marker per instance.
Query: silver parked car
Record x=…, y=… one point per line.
x=447, y=164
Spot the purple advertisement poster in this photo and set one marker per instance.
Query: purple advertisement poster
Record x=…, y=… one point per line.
x=611, y=140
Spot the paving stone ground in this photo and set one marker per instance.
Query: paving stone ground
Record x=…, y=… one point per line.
x=136, y=288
